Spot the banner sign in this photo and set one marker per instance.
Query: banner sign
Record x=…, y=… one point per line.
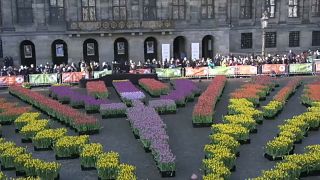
x=11, y=80
x=43, y=78
x=300, y=68
x=72, y=77
x=165, y=52
x=222, y=70
x=317, y=66
x=99, y=74
x=273, y=69
x=196, y=72
x=246, y=70
x=168, y=73
x=140, y=71
x=195, y=51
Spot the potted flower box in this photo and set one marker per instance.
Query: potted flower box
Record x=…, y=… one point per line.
x=113, y=110
x=69, y=147
x=89, y=155
x=7, y=157
x=45, y=139
x=30, y=130
x=107, y=165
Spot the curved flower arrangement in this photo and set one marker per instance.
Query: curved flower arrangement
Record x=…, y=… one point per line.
x=204, y=109
x=154, y=87
x=128, y=92
x=16, y=157
x=311, y=94
x=81, y=122
x=149, y=127
x=97, y=89
x=295, y=166
x=9, y=112
x=184, y=90
x=279, y=100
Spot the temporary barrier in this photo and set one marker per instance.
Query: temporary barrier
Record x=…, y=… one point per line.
x=246, y=70
x=317, y=67
x=196, y=72
x=222, y=70
x=168, y=73
x=274, y=69
x=140, y=71
x=99, y=74
x=72, y=77
x=11, y=80
x=41, y=79
x=300, y=68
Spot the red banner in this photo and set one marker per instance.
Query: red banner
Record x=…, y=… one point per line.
x=199, y=71
x=11, y=80
x=246, y=70
x=140, y=71
x=273, y=68
x=72, y=77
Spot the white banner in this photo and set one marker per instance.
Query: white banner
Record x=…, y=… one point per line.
x=165, y=52
x=195, y=51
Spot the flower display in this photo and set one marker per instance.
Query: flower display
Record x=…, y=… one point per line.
x=225, y=140
x=163, y=106
x=221, y=153
x=70, y=146
x=30, y=130
x=107, y=165
x=9, y=112
x=216, y=167
x=113, y=110
x=235, y=130
x=147, y=124
x=2, y=176
x=154, y=87
x=242, y=119
x=126, y=172
x=272, y=108
x=89, y=154
x=311, y=93
x=46, y=138
x=235, y=109
x=212, y=176
x=7, y=156
x=25, y=118
x=128, y=92
x=204, y=109
x=81, y=122
x=279, y=147
x=20, y=160
x=97, y=89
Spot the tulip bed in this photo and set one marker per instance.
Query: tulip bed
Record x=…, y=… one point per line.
x=164, y=106
x=97, y=89
x=153, y=87
x=113, y=110
x=127, y=91
x=149, y=127
x=184, y=91
x=279, y=100
x=17, y=158
x=77, y=100
x=204, y=109
x=295, y=166
x=70, y=146
x=244, y=107
x=311, y=94
x=9, y=112
x=81, y=122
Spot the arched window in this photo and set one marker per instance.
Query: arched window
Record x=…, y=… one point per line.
x=59, y=51
x=27, y=53
x=179, y=47
x=90, y=51
x=121, y=50
x=207, y=47
x=150, y=48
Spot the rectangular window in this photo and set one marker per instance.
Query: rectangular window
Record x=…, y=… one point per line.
x=119, y=9
x=270, y=7
x=293, y=8
x=24, y=11
x=315, y=8
x=149, y=10
x=135, y=12
x=316, y=38
x=271, y=39
x=207, y=9
x=246, y=9
x=178, y=9
x=246, y=40
x=88, y=10
x=294, y=39
x=56, y=11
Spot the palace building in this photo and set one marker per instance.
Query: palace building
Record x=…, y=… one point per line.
x=64, y=31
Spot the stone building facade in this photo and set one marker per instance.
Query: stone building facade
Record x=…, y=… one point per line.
x=40, y=31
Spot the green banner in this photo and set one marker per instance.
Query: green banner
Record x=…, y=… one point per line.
x=221, y=70
x=168, y=73
x=300, y=68
x=99, y=74
x=43, y=78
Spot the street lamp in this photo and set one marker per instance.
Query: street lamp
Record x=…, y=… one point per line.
x=264, y=25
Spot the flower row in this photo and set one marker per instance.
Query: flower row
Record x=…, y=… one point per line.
x=97, y=89
x=292, y=131
x=128, y=92
x=245, y=107
x=149, y=127
x=295, y=166
x=279, y=100
x=163, y=106
x=81, y=122
x=204, y=109
x=184, y=90
x=77, y=100
x=9, y=111
x=311, y=93
x=12, y=156
x=154, y=87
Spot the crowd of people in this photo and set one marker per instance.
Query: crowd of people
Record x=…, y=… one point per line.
x=8, y=68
